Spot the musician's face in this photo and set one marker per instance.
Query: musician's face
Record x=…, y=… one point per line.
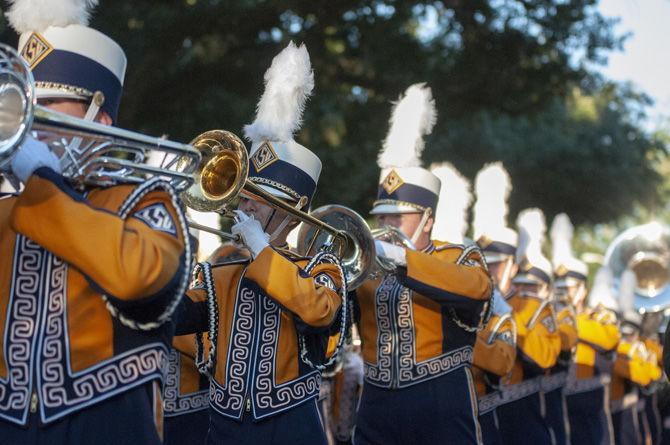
x=263, y=213
x=406, y=222
x=502, y=273
x=74, y=108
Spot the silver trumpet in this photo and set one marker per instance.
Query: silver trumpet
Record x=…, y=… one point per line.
x=90, y=153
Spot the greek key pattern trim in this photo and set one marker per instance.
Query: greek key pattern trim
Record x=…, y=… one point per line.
x=228, y=399
x=175, y=404
x=21, y=330
x=380, y=373
x=269, y=398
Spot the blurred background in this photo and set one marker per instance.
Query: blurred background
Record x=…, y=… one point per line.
x=572, y=95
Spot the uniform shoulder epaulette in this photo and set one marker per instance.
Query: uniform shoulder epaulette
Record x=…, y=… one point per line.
x=291, y=255
x=443, y=245
x=231, y=260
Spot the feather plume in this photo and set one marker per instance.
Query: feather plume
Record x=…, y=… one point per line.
x=532, y=228
x=601, y=291
x=455, y=198
x=413, y=117
x=561, y=239
x=37, y=15
x=288, y=84
x=493, y=187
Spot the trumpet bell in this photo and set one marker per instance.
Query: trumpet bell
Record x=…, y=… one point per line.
x=221, y=174
x=357, y=256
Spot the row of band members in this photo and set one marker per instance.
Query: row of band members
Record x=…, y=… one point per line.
x=99, y=282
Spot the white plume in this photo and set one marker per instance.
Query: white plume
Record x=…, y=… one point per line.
x=37, y=15
x=532, y=228
x=452, y=207
x=288, y=83
x=561, y=239
x=493, y=186
x=601, y=291
x=413, y=117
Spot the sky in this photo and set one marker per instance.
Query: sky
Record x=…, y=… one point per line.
x=645, y=59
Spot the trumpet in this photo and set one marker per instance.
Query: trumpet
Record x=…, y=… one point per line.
x=394, y=236
x=90, y=153
x=222, y=176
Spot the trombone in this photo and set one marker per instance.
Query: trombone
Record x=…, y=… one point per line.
x=222, y=176
x=89, y=153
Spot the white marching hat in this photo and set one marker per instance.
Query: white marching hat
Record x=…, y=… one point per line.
x=404, y=186
x=279, y=164
x=68, y=59
x=493, y=187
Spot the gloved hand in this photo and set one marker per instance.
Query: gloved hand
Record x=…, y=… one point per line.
x=251, y=233
x=500, y=306
x=32, y=155
x=391, y=252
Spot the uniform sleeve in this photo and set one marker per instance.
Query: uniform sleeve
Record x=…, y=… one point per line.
x=631, y=368
x=135, y=259
x=540, y=343
x=567, y=329
x=311, y=297
x=457, y=285
x=192, y=313
x=603, y=337
x=497, y=357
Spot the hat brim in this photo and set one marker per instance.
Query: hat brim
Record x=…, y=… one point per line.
x=384, y=209
x=272, y=191
x=47, y=93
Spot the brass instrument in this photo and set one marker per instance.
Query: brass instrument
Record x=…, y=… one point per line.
x=391, y=235
x=645, y=250
x=357, y=258
x=90, y=153
x=222, y=176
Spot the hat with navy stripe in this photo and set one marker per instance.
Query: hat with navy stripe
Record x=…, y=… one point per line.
x=534, y=267
x=404, y=186
x=567, y=268
x=68, y=59
x=493, y=186
x=279, y=164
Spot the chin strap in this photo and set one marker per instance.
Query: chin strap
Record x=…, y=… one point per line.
x=422, y=224
x=287, y=219
x=97, y=101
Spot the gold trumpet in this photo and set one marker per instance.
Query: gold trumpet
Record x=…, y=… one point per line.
x=222, y=176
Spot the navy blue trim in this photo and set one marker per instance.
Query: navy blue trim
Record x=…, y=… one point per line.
x=572, y=274
x=191, y=317
x=73, y=69
x=147, y=308
x=411, y=193
x=498, y=247
x=539, y=273
x=59, y=181
x=468, y=307
x=286, y=174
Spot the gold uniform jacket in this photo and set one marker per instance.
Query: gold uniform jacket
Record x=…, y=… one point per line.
x=409, y=321
x=598, y=339
x=87, y=287
x=538, y=339
x=495, y=351
x=186, y=390
x=630, y=366
x=261, y=307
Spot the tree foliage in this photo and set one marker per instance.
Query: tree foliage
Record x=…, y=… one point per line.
x=511, y=78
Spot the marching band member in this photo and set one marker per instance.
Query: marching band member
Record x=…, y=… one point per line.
x=570, y=276
x=495, y=349
x=269, y=317
x=523, y=418
x=418, y=324
x=630, y=371
x=186, y=390
x=90, y=275
x=649, y=335
x=587, y=391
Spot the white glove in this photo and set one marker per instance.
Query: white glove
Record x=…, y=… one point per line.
x=500, y=306
x=32, y=155
x=251, y=233
x=391, y=252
